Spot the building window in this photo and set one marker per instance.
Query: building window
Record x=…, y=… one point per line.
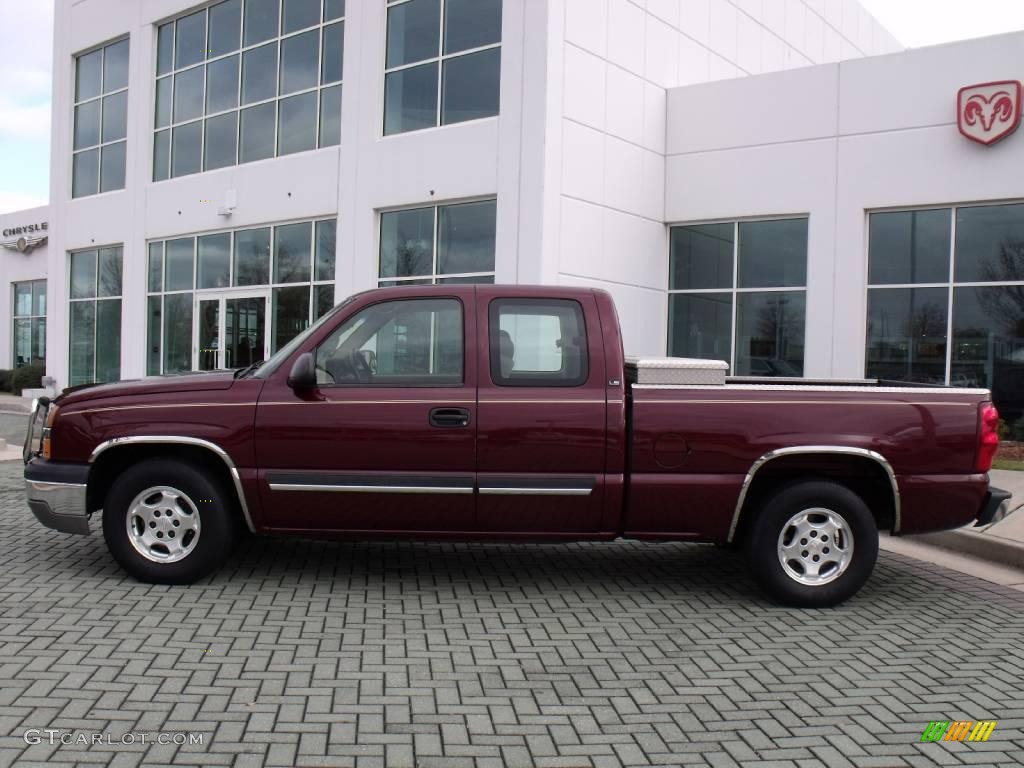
x=438, y=244
x=95, y=316
x=737, y=292
x=955, y=272
x=225, y=285
x=100, y=120
x=244, y=80
x=443, y=62
x=30, y=323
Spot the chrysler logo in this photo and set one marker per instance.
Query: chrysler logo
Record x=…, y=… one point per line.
x=988, y=112
x=25, y=244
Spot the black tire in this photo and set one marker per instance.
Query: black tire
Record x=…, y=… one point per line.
x=783, y=582
x=203, y=495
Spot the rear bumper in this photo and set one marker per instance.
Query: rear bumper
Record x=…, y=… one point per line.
x=995, y=508
x=56, y=494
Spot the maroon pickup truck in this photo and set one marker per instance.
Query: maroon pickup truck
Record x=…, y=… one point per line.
x=495, y=412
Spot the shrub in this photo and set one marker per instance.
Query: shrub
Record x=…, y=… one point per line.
x=27, y=377
x=5, y=380
x=1003, y=430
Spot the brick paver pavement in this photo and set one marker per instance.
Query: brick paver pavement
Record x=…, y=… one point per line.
x=382, y=654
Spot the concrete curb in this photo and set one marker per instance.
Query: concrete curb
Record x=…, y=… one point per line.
x=981, y=545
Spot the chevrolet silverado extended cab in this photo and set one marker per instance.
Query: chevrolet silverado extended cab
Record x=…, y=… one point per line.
x=494, y=412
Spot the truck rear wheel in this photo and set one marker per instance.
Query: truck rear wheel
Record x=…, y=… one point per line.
x=813, y=544
x=167, y=522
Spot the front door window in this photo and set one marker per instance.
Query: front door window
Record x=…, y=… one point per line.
x=231, y=330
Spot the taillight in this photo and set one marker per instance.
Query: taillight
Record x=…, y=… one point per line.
x=988, y=438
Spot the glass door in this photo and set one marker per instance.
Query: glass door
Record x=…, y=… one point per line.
x=231, y=329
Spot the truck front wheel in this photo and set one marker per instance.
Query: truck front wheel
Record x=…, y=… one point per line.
x=813, y=544
x=167, y=522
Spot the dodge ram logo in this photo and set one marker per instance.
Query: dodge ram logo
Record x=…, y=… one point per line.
x=989, y=112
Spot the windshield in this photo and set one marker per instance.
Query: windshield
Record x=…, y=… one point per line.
x=275, y=360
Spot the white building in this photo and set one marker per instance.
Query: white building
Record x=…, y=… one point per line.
x=226, y=171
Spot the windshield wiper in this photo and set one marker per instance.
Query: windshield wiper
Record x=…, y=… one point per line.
x=243, y=372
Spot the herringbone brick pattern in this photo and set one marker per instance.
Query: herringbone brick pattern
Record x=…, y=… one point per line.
x=317, y=653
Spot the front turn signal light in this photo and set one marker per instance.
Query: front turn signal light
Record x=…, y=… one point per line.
x=46, y=449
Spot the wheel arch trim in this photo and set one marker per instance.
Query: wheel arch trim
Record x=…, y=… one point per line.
x=810, y=450
x=183, y=440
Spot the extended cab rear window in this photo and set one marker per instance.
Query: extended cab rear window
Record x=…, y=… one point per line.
x=538, y=343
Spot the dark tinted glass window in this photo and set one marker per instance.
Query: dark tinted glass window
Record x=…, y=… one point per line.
x=469, y=86
x=770, y=333
x=906, y=334
x=700, y=325
x=772, y=253
x=909, y=247
x=990, y=243
x=701, y=257
x=988, y=347
x=413, y=30
x=471, y=24
x=407, y=242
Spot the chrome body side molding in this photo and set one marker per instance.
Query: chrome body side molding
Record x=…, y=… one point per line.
x=331, y=488
x=533, y=491
x=810, y=450
x=181, y=440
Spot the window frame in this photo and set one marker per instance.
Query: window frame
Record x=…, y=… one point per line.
x=439, y=60
x=95, y=299
x=100, y=97
x=734, y=291
x=434, y=276
x=950, y=285
x=32, y=315
x=270, y=286
x=422, y=383
x=536, y=380
x=318, y=88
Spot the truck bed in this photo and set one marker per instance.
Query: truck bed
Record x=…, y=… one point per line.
x=919, y=438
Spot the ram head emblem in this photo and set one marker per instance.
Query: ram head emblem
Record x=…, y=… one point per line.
x=989, y=112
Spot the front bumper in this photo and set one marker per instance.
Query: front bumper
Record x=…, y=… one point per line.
x=56, y=494
x=995, y=508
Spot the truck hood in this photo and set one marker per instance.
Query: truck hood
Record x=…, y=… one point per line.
x=152, y=385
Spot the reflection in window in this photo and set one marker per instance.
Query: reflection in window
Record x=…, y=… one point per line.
x=29, y=320
x=100, y=120
x=448, y=243
x=981, y=311
x=988, y=345
x=726, y=299
x=443, y=63
x=294, y=264
x=95, y=316
x=258, y=52
x=537, y=343
x=906, y=334
x=416, y=342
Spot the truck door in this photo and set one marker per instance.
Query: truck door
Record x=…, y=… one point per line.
x=540, y=413
x=387, y=440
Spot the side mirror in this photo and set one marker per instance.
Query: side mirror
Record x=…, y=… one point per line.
x=303, y=373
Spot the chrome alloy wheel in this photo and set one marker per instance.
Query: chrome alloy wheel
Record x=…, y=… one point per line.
x=815, y=546
x=163, y=524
